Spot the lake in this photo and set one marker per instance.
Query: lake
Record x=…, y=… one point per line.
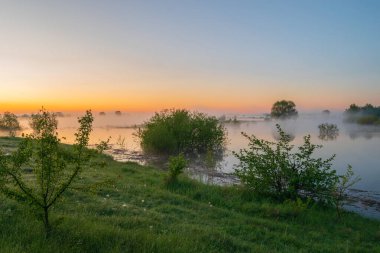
x=356, y=145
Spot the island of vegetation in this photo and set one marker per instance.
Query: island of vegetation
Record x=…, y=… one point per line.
x=284, y=109
x=68, y=198
x=363, y=115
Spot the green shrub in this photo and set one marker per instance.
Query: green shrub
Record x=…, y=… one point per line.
x=276, y=169
x=176, y=131
x=9, y=122
x=328, y=131
x=367, y=120
x=176, y=166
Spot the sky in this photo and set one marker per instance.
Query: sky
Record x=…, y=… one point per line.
x=207, y=55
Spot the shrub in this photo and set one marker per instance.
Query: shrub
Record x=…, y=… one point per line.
x=328, y=131
x=367, y=120
x=176, y=131
x=275, y=169
x=9, y=123
x=176, y=166
x=52, y=168
x=363, y=115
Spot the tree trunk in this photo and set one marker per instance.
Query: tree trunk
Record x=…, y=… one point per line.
x=46, y=222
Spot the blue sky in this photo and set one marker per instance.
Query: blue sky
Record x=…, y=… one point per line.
x=225, y=55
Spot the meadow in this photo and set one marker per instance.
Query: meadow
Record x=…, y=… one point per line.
x=135, y=211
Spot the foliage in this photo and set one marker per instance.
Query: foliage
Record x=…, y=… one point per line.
x=43, y=121
x=275, y=169
x=345, y=182
x=9, y=122
x=328, y=131
x=363, y=115
x=103, y=145
x=284, y=109
x=175, y=131
x=176, y=166
x=41, y=169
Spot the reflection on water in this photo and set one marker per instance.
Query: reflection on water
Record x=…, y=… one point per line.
x=356, y=145
x=328, y=132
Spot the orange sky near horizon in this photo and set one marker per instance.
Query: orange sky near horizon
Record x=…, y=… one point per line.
x=209, y=56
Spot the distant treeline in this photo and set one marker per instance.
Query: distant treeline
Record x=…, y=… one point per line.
x=364, y=115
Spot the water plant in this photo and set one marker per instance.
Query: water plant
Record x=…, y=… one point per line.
x=328, y=131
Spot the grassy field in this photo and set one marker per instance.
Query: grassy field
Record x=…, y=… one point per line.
x=137, y=212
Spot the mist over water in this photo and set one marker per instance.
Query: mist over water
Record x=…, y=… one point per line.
x=354, y=144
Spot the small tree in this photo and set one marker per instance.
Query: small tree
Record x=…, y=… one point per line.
x=176, y=166
x=9, y=123
x=43, y=121
x=275, y=169
x=284, y=109
x=54, y=167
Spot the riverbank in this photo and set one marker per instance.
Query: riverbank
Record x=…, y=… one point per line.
x=137, y=212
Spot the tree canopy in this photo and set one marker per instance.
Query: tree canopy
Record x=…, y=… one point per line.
x=284, y=109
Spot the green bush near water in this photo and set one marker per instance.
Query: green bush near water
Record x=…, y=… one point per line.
x=274, y=168
x=363, y=115
x=175, y=131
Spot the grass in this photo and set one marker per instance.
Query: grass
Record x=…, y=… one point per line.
x=138, y=212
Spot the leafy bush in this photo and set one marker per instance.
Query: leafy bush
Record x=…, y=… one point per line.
x=176, y=131
x=43, y=121
x=176, y=166
x=284, y=109
x=41, y=169
x=275, y=169
x=364, y=115
x=367, y=120
x=9, y=122
x=328, y=131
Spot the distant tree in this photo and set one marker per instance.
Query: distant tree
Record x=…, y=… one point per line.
x=102, y=113
x=326, y=112
x=284, y=109
x=118, y=113
x=353, y=108
x=9, y=123
x=43, y=121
